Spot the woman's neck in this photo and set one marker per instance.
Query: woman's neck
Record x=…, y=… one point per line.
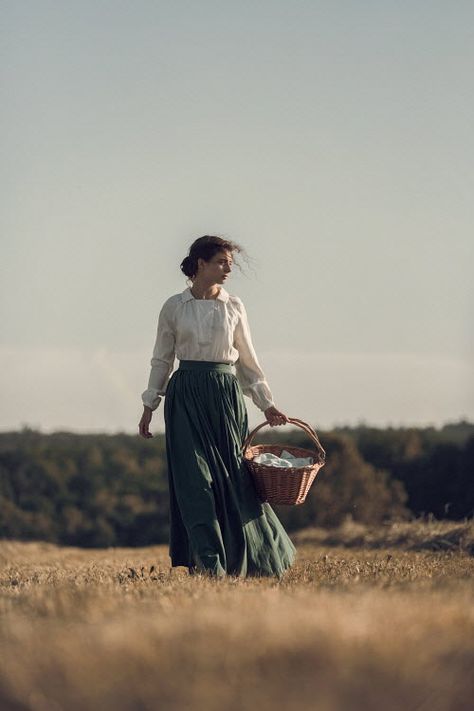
x=200, y=292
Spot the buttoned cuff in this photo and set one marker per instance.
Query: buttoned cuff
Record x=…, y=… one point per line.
x=260, y=396
x=151, y=399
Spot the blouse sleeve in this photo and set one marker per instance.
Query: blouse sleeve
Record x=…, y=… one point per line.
x=162, y=360
x=248, y=371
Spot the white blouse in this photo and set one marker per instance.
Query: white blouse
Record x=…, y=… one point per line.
x=205, y=329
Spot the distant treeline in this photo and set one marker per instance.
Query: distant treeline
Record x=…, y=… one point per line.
x=112, y=490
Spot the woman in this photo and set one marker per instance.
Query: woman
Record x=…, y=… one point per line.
x=218, y=525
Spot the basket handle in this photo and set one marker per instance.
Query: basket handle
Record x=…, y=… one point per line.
x=300, y=423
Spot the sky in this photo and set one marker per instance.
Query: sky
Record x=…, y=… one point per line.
x=333, y=140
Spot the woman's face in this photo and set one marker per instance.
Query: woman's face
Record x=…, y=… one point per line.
x=217, y=269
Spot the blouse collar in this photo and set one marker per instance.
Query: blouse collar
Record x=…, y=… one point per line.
x=187, y=295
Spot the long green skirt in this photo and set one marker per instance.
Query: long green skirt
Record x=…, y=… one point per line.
x=218, y=525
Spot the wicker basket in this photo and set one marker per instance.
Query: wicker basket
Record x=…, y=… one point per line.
x=283, y=485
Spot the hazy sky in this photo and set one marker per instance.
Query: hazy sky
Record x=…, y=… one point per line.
x=332, y=139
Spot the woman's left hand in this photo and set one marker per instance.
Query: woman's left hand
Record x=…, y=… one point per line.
x=275, y=416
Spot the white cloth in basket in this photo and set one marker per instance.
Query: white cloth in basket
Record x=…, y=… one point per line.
x=287, y=459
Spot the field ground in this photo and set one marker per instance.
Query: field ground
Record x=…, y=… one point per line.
x=367, y=618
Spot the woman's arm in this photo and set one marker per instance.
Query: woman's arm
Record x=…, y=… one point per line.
x=163, y=357
x=249, y=372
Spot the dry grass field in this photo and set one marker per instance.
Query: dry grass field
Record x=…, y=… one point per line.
x=378, y=619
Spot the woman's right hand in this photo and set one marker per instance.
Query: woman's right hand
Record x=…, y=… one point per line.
x=144, y=423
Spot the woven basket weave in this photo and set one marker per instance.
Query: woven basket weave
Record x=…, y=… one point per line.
x=283, y=485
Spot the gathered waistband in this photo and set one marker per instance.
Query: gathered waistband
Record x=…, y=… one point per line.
x=205, y=365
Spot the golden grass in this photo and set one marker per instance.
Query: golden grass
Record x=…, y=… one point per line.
x=346, y=628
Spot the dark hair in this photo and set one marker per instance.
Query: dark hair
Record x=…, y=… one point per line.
x=206, y=248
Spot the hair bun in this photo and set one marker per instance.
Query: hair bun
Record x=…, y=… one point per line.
x=187, y=266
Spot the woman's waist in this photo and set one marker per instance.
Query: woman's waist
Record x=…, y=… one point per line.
x=205, y=365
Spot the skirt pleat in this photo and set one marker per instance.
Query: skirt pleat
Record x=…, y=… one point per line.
x=218, y=525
